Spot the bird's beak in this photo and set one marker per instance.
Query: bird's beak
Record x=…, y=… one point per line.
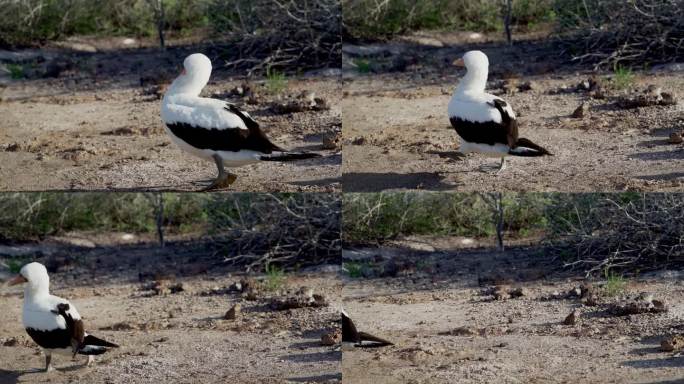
x=459, y=62
x=19, y=279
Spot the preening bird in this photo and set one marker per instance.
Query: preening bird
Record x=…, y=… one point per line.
x=52, y=322
x=214, y=129
x=486, y=123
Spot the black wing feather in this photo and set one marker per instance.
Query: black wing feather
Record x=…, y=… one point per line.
x=511, y=125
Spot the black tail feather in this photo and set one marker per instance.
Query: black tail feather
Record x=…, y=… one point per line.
x=378, y=342
x=350, y=334
x=92, y=351
x=289, y=156
x=92, y=340
x=526, y=148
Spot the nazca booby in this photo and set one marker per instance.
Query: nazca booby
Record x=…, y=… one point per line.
x=485, y=122
x=214, y=129
x=53, y=322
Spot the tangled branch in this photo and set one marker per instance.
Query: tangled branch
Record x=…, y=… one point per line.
x=286, y=34
x=640, y=234
x=610, y=33
x=285, y=230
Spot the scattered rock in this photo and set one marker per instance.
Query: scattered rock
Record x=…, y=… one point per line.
x=668, y=98
x=306, y=292
x=129, y=131
x=122, y=326
x=634, y=307
x=233, y=312
x=359, y=140
x=331, y=140
x=332, y=338
x=236, y=287
x=672, y=343
x=517, y=292
x=164, y=287
x=589, y=294
x=500, y=294
x=304, y=297
x=461, y=331
x=10, y=342
x=651, y=96
x=571, y=319
x=675, y=138
x=12, y=147
x=526, y=86
x=586, y=290
x=581, y=111
x=156, y=91
x=305, y=101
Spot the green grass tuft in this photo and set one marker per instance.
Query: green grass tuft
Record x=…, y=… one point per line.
x=276, y=82
x=15, y=266
x=615, y=284
x=623, y=77
x=354, y=269
x=16, y=71
x=275, y=277
x=362, y=65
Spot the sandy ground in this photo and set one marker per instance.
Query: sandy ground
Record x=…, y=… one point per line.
x=520, y=340
x=95, y=125
x=397, y=134
x=180, y=337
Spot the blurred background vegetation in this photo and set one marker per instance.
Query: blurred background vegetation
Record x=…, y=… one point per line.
x=604, y=33
x=371, y=217
x=26, y=22
x=591, y=231
x=260, y=33
x=372, y=19
x=247, y=229
x=32, y=216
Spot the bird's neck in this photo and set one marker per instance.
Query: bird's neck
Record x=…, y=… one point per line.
x=474, y=81
x=188, y=85
x=36, y=292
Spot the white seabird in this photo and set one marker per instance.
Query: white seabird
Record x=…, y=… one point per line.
x=53, y=322
x=486, y=123
x=214, y=129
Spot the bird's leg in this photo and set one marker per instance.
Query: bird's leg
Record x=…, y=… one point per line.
x=48, y=362
x=502, y=166
x=224, y=179
x=90, y=360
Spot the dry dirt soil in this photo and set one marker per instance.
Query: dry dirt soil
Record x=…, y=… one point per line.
x=397, y=135
x=447, y=329
x=173, y=337
x=90, y=121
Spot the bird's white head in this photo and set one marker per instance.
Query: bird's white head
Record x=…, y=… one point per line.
x=477, y=67
x=35, y=276
x=195, y=76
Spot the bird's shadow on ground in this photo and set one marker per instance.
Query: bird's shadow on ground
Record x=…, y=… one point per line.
x=306, y=344
x=9, y=377
x=319, y=182
x=452, y=155
x=317, y=379
x=660, y=155
x=375, y=182
x=670, y=362
x=314, y=357
x=652, y=349
x=664, y=176
x=333, y=159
